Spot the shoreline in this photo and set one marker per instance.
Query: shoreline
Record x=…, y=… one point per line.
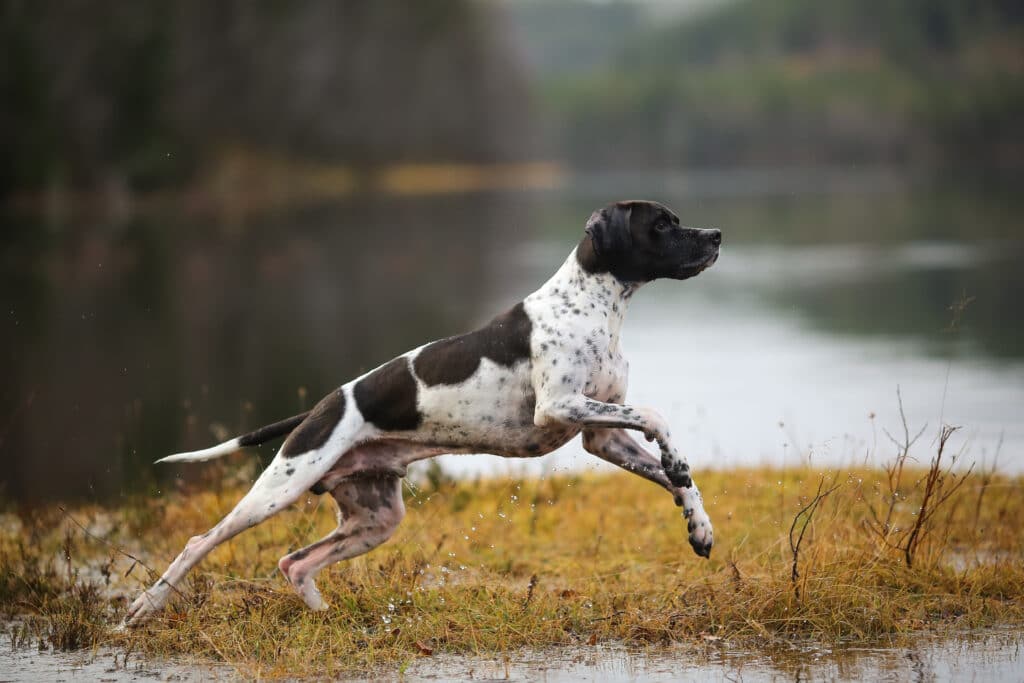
x=484, y=568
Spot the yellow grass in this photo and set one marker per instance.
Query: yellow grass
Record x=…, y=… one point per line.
x=488, y=567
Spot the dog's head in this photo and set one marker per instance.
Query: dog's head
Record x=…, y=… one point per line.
x=640, y=241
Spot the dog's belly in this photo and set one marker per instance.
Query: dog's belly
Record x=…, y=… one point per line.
x=490, y=412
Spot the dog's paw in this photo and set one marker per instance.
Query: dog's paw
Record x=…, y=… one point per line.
x=148, y=604
x=139, y=612
x=702, y=536
x=303, y=584
x=311, y=595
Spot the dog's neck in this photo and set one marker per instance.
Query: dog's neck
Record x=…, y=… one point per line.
x=577, y=288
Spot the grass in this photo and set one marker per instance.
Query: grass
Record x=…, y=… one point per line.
x=488, y=567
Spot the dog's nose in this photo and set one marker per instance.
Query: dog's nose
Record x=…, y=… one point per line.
x=716, y=236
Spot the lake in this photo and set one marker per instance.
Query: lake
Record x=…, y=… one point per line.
x=167, y=330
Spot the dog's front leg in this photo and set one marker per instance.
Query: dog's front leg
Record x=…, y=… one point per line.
x=618, y=448
x=578, y=410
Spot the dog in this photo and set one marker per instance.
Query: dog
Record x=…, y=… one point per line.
x=521, y=386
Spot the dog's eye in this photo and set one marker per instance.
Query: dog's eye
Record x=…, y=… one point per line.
x=661, y=225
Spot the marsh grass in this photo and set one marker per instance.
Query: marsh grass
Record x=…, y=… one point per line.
x=488, y=567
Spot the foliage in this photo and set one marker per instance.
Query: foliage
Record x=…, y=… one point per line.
x=798, y=81
x=144, y=95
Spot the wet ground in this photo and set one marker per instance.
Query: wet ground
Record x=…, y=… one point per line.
x=992, y=655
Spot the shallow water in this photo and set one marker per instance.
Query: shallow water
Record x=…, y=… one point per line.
x=123, y=341
x=994, y=657
x=987, y=656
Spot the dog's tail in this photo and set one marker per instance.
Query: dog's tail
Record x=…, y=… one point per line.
x=261, y=435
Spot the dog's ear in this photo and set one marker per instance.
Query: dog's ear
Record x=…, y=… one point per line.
x=609, y=230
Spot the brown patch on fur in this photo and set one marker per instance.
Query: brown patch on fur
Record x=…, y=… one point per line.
x=314, y=431
x=272, y=431
x=505, y=340
x=387, y=397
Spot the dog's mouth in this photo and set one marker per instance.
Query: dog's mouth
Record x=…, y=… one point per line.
x=710, y=261
x=691, y=270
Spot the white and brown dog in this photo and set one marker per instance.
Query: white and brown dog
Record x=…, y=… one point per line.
x=521, y=386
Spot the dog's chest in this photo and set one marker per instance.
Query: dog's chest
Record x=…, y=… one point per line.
x=606, y=380
x=576, y=342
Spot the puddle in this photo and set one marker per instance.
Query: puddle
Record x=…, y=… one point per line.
x=994, y=655
x=107, y=666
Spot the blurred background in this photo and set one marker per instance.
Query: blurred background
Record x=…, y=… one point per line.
x=213, y=213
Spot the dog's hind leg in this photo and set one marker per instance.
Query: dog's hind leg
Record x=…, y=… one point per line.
x=370, y=508
x=303, y=459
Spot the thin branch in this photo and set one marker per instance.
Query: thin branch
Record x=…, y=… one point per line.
x=807, y=513
x=529, y=591
x=934, y=495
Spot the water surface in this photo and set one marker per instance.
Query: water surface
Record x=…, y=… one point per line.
x=991, y=656
x=125, y=340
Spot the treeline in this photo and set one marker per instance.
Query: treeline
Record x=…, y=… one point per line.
x=142, y=93
x=930, y=82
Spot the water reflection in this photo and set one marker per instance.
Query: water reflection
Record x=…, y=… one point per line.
x=992, y=655
x=986, y=656
x=126, y=341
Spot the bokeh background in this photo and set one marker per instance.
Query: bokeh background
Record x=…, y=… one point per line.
x=212, y=213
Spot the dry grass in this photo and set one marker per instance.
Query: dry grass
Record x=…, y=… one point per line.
x=492, y=566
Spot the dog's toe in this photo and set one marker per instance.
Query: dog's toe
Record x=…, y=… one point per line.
x=701, y=536
x=137, y=613
x=702, y=548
